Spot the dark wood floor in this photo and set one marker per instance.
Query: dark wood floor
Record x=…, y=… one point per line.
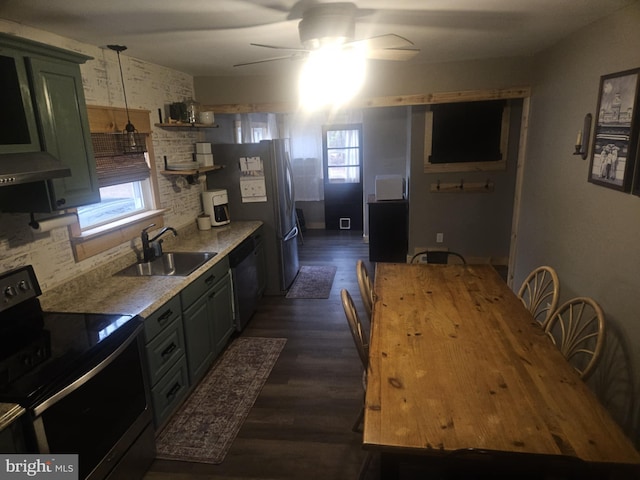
x=300, y=425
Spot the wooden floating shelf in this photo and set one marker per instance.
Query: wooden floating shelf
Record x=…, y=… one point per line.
x=193, y=171
x=186, y=125
x=462, y=187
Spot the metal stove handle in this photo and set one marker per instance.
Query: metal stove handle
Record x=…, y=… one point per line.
x=55, y=398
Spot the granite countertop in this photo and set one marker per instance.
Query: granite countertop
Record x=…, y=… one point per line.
x=100, y=291
x=9, y=412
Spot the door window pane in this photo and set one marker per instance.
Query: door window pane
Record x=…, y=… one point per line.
x=344, y=174
x=343, y=155
x=343, y=138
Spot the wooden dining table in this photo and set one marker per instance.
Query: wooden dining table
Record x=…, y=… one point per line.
x=459, y=369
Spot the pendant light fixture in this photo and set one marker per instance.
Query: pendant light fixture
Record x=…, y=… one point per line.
x=132, y=142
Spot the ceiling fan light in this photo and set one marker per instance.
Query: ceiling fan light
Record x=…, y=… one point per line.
x=331, y=77
x=326, y=24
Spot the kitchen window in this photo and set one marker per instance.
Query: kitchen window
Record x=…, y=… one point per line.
x=125, y=189
x=118, y=202
x=127, y=185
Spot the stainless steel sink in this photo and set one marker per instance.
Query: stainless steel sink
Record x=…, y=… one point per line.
x=178, y=264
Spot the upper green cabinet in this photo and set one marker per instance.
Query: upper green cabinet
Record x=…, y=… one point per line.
x=18, y=131
x=52, y=98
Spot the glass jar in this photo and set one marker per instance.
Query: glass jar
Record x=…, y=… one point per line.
x=193, y=110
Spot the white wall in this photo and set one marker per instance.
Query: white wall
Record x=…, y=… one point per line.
x=148, y=87
x=587, y=232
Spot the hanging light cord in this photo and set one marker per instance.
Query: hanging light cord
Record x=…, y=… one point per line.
x=121, y=48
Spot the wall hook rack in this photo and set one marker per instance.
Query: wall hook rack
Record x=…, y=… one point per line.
x=462, y=186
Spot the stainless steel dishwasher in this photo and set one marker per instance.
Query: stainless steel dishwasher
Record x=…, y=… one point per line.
x=244, y=271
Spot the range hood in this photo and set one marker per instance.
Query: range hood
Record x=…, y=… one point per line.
x=17, y=168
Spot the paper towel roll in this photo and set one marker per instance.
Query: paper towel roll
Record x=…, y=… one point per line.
x=48, y=224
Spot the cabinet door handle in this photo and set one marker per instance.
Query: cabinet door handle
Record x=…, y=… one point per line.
x=209, y=280
x=168, y=351
x=61, y=201
x=171, y=394
x=165, y=316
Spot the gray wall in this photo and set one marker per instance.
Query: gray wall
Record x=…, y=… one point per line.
x=587, y=232
x=384, y=79
x=385, y=147
x=475, y=224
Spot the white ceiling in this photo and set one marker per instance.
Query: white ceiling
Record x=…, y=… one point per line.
x=206, y=37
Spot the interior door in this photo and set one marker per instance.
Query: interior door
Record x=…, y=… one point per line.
x=342, y=159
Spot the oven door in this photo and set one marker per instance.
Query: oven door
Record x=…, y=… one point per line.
x=100, y=415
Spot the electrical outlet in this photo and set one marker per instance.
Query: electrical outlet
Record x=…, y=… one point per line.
x=439, y=237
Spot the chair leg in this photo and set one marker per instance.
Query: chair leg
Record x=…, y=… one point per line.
x=365, y=466
x=358, y=422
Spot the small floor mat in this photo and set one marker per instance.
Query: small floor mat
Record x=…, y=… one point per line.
x=313, y=282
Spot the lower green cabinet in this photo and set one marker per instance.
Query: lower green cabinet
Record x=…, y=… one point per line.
x=166, y=362
x=198, y=328
x=169, y=392
x=221, y=300
x=207, y=316
x=185, y=335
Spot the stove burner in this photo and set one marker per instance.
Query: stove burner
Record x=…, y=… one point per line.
x=40, y=349
x=25, y=358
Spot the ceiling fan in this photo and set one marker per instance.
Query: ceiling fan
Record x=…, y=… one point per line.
x=324, y=24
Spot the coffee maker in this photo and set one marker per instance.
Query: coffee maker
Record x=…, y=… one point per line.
x=216, y=205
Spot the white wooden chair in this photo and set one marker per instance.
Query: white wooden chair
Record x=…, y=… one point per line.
x=577, y=328
x=437, y=256
x=539, y=292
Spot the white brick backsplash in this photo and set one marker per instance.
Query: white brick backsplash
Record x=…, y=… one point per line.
x=149, y=87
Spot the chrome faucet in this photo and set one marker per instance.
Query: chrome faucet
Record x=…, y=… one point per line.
x=152, y=248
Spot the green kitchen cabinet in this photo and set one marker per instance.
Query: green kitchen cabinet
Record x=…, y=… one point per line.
x=207, y=315
x=221, y=299
x=50, y=115
x=18, y=128
x=64, y=125
x=166, y=360
x=199, y=330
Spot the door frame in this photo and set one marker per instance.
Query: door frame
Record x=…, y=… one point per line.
x=354, y=191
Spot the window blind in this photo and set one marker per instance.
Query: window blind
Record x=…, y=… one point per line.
x=112, y=166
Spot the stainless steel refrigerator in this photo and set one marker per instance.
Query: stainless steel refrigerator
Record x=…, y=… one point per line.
x=259, y=183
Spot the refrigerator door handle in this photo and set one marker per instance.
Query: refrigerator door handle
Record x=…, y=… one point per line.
x=292, y=195
x=292, y=234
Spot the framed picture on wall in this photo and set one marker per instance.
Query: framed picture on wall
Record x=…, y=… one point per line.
x=615, y=140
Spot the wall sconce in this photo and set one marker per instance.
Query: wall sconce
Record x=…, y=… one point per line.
x=582, y=141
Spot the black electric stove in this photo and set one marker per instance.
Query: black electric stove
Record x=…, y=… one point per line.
x=40, y=352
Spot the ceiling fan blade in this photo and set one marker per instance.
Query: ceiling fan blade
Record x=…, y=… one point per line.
x=390, y=40
x=396, y=54
x=295, y=56
x=276, y=47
